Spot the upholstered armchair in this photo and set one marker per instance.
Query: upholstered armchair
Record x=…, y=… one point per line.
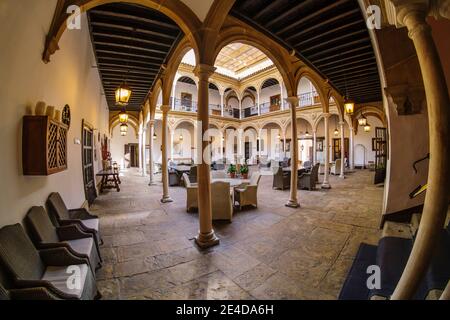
x=45, y=236
x=281, y=179
x=307, y=165
x=61, y=216
x=43, y=274
x=336, y=167
x=308, y=180
x=191, y=193
x=247, y=194
x=221, y=198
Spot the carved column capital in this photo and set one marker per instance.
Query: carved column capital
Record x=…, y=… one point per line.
x=204, y=71
x=293, y=101
x=326, y=115
x=165, y=109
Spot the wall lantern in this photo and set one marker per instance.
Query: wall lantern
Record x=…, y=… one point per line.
x=154, y=136
x=307, y=133
x=181, y=137
x=349, y=106
x=362, y=121
x=367, y=127
x=123, y=116
x=279, y=137
x=123, y=94
x=123, y=129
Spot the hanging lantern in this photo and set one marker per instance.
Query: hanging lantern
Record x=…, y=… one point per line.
x=123, y=129
x=123, y=94
x=362, y=121
x=154, y=136
x=336, y=132
x=279, y=137
x=307, y=133
x=367, y=127
x=123, y=116
x=181, y=137
x=349, y=106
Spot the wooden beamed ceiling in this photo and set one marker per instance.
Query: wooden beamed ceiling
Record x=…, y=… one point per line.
x=330, y=36
x=131, y=43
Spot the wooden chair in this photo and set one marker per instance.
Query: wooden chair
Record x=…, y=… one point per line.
x=308, y=180
x=281, y=179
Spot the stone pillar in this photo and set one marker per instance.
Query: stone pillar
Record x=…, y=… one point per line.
x=240, y=110
x=293, y=202
x=352, y=149
x=413, y=16
x=140, y=150
x=259, y=102
x=171, y=142
x=342, y=175
x=164, y=162
x=222, y=142
x=222, y=104
x=206, y=237
x=326, y=150
x=314, y=147
x=151, y=130
x=281, y=96
x=144, y=156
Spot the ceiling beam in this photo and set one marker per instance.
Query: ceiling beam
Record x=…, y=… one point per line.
x=368, y=48
x=286, y=13
x=336, y=48
x=128, y=47
x=337, y=39
x=332, y=31
x=129, y=38
x=136, y=30
x=129, y=54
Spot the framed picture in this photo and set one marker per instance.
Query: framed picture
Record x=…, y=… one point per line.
x=319, y=146
x=288, y=145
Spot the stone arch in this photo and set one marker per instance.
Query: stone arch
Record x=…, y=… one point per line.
x=279, y=56
x=369, y=111
x=261, y=84
x=319, y=118
x=316, y=82
x=176, y=10
x=178, y=122
x=132, y=121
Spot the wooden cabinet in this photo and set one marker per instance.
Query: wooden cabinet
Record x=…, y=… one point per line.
x=44, y=146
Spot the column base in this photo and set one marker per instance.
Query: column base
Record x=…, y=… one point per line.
x=151, y=183
x=342, y=177
x=292, y=204
x=208, y=240
x=326, y=185
x=166, y=199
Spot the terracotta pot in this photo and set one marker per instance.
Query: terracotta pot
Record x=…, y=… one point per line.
x=245, y=176
x=232, y=175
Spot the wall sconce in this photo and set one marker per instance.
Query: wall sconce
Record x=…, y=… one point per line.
x=154, y=136
x=181, y=137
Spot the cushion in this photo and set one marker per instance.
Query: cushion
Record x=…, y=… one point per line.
x=59, y=276
x=91, y=224
x=83, y=246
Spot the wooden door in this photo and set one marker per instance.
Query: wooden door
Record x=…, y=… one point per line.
x=337, y=148
x=88, y=162
x=247, y=150
x=380, y=155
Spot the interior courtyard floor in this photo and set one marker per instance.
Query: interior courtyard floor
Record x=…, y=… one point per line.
x=272, y=252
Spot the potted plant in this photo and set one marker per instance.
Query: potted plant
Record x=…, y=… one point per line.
x=232, y=171
x=244, y=171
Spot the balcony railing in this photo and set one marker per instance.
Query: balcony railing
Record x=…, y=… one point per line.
x=309, y=99
x=215, y=109
x=250, y=111
x=185, y=105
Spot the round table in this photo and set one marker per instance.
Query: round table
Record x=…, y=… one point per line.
x=233, y=182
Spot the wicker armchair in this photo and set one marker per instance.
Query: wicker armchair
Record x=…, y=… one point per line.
x=45, y=235
x=61, y=216
x=44, y=274
x=221, y=197
x=191, y=194
x=281, y=179
x=174, y=179
x=247, y=194
x=310, y=179
x=336, y=167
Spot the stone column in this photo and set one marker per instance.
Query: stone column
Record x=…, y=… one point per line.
x=164, y=162
x=206, y=237
x=144, y=156
x=314, y=147
x=326, y=150
x=413, y=16
x=222, y=104
x=342, y=175
x=259, y=102
x=140, y=150
x=222, y=142
x=171, y=142
x=240, y=110
x=151, y=130
x=293, y=202
x=352, y=149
